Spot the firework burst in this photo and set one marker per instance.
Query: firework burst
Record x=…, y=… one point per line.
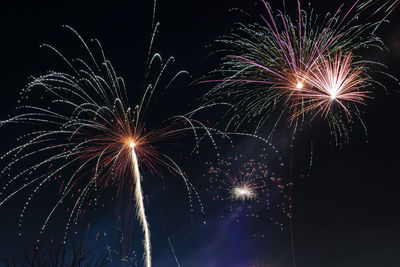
x=250, y=183
x=85, y=126
x=266, y=68
x=332, y=80
x=243, y=191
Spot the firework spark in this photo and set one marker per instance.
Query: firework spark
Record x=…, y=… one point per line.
x=85, y=125
x=386, y=7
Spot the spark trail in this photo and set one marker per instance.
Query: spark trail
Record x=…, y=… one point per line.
x=140, y=211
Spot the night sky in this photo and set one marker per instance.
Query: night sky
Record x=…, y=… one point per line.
x=346, y=207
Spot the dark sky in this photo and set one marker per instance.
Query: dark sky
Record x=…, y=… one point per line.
x=346, y=212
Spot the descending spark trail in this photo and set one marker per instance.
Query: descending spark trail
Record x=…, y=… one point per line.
x=385, y=6
x=140, y=206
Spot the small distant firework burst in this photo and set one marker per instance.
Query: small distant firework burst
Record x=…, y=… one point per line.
x=84, y=125
x=273, y=70
x=244, y=191
x=251, y=184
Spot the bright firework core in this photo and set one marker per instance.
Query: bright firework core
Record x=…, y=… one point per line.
x=132, y=144
x=333, y=92
x=243, y=193
x=299, y=85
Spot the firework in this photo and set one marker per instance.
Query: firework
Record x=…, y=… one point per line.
x=333, y=80
x=266, y=68
x=85, y=126
x=243, y=191
x=249, y=183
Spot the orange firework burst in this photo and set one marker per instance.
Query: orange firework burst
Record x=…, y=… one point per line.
x=85, y=126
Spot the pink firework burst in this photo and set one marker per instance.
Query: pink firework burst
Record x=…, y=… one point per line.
x=333, y=80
